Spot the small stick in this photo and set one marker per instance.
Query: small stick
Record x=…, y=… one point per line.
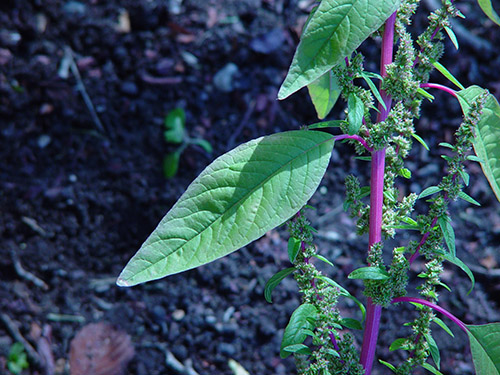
x=81, y=87
x=16, y=334
x=21, y=272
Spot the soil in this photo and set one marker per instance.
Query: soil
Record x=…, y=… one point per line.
x=81, y=182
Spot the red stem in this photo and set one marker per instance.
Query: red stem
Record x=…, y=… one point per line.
x=373, y=311
x=434, y=307
x=439, y=87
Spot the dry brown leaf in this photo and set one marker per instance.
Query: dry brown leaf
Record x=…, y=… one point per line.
x=100, y=349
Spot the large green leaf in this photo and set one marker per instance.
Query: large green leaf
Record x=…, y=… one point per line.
x=489, y=11
x=294, y=332
x=235, y=200
x=324, y=93
x=487, y=135
x=485, y=348
x=334, y=31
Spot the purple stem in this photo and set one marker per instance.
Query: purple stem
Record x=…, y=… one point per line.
x=373, y=311
x=434, y=307
x=355, y=138
x=439, y=87
x=422, y=241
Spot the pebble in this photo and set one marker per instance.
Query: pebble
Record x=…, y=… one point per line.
x=268, y=42
x=227, y=349
x=159, y=314
x=5, y=56
x=224, y=78
x=129, y=88
x=44, y=140
x=178, y=314
x=9, y=38
x=75, y=8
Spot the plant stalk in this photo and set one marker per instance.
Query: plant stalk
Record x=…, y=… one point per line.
x=373, y=312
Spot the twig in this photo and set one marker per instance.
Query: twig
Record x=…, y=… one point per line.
x=21, y=272
x=241, y=126
x=68, y=54
x=16, y=334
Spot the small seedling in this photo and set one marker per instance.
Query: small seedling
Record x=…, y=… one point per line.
x=175, y=133
x=266, y=181
x=17, y=361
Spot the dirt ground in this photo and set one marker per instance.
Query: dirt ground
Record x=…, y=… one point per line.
x=84, y=90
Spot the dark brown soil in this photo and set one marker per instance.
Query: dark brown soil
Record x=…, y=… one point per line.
x=80, y=192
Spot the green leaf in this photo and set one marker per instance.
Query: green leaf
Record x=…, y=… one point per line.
x=235, y=200
x=274, y=281
x=468, y=198
x=452, y=36
x=447, y=74
x=174, y=126
x=443, y=325
x=326, y=124
x=433, y=348
x=398, y=344
x=425, y=94
x=431, y=368
x=343, y=291
x=485, y=348
x=388, y=365
x=489, y=11
x=373, y=89
x=369, y=273
x=355, y=114
x=334, y=31
x=405, y=172
x=323, y=259
x=465, y=177
x=421, y=141
x=351, y=323
x=294, y=333
x=448, y=234
x=447, y=145
x=324, y=93
x=429, y=191
x=171, y=164
x=475, y=158
x=293, y=248
x=203, y=144
x=457, y=262
x=297, y=348
x=487, y=135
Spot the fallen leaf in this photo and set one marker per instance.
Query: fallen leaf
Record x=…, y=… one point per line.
x=100, y=349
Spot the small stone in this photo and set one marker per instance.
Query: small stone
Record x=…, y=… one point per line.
x=129, y=88
x=75, y=8
x=72, y=178
x=9, y=38
x=211, y=320
x=178, y=314
x=268, y=42
x=159, y=314
x=44, y=140
x=223, y=79
x=5, y=56
x=227, y=349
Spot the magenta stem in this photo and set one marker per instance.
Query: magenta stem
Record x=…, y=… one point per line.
x=355, y=138
x=422, y=241
x=439, y=87
x=373, y=312
x=434, y=307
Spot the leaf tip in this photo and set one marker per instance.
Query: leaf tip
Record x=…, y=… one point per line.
x=122, y=282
